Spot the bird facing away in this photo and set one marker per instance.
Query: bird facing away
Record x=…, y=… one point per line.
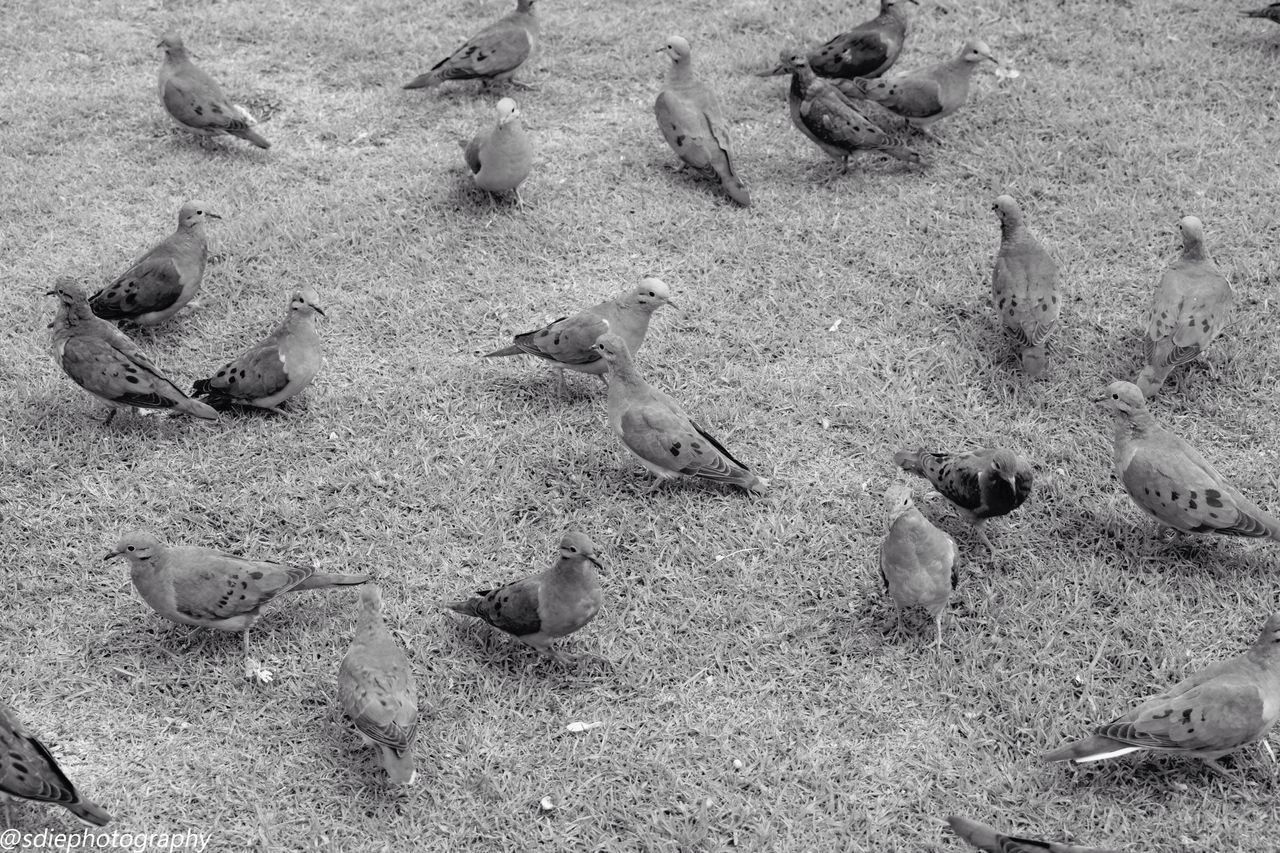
x=493, y=55
x=378, y=692
x=868, y=50
x=274, y=370
x=986, y=838
x=917, y=560
x=196, y=102
x=1189, y=310
x=164, y=280
x=104, y=362
x=28, y=771
x=500, y=157
x=1206, y=715
x=1170, y=481
x=981, y=484
x=693, y=124
x=925, y=96
x=657, y=431
x=204, y=588
x=541, y=608
x=824, y=115
x=570, y=342
x=1024, y=287
x=1270, y=13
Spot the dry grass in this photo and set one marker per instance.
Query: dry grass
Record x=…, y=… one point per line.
x=733, y=629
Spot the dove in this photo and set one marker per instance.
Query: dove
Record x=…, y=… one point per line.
x=1024, y=287
x=28, y=771
x=657, y=431
x=1270, y=13
x=103, y=361
x=693, y=124
x=986, y=838
x=868, y=50
x=1217, y=710
x=917, y=560
x=569, y=342
x=164, y=280
x=500, y=157
x=1170, y=481
x=204, y=588
x=378, y=692
x=493, y=55
x=196, y=102
x=274, y=370
x=925, y=96
x=981, y=484
x=831, y=121
x=542, y=608
x=1188, y=312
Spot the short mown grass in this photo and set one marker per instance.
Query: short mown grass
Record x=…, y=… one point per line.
x=752, y=692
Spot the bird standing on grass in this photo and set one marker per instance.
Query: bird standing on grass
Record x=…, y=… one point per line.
x=196, y=102
x=500, y=157
x=986, y=838
x=164, y=280
x=1024, y=287
x=204, y=588
x=541, y=608
x=917, y=560
x=868, y=50
x=493, y=55
x=28, y=771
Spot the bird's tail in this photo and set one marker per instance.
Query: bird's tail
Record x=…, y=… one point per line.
x=1034, y=361
x=467, y=607
x=1093, y=748
x=91, y=814
x=903, y=153
x=1254, y=13
x=909, y=460
x=978, y=834
x=775, y=71
x=195, y=408
x=732, y=184
x=324, y=580
x=215, y=397
x=511, y=350
x=253, y=136
x=423, y=81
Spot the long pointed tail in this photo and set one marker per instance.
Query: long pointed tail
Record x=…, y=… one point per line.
x=511, y=350
x=252, y=136
x=89, y=813
x=733, y=185
x=322, y=580
x=978, y=834
x=909, y=461
x=423, y=81
x=196, y=409
x=775, y=71
x=1093, y=748
x=467, y=607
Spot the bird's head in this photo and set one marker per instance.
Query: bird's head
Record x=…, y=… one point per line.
x=136, y=547
x=305, y=302
x=677, y=48
x=575, y=545
x=507, y=111
x=650, y=294
x=371, y=598
x=1123, y=398
x=194, y=213
x=897, y=500
x=612, y=348
x=1005, y=465
x=171, y=42
x=976, y=50
x=793, y=60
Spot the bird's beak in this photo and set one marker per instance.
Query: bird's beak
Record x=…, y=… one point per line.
x=51, y=293
x=159, y=44
x=110, y=555
x=992, y=58
x=319, y=310
x=1101, y=399
x=915, y=2
x=212, y=215
x=592, y=558
x=662, y=49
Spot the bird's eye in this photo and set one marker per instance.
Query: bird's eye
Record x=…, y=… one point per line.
x=1115, y=396
x=130, y=548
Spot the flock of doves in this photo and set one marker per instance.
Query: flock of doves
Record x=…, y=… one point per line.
x=1207, y=715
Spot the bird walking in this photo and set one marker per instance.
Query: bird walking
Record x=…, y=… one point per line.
x=205, y=588
x=500, y=157
x=103, y=361
x=276, y=369
x=492, y=55
x=654, y=427
x=539, y=609
x=29, y=771
x=1024, y=287
x=693, y=124
x=196, y=102
x=917, y=560
x=987, y=838
x=868, y=50
x=378, y=692
x=164, y=280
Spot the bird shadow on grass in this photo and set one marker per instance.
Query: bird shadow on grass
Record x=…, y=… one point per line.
x=540, y=387
x=1164, y=773
x=500, y=653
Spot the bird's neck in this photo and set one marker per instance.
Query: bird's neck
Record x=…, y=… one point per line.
x=680, y=73
x=1137, y=424
x=1012, y=231
x=623, y=370
x=1193, y=250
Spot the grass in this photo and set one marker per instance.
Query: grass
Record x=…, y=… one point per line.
x=734, y=630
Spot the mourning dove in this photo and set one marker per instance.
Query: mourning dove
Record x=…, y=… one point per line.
x=1271, y=13
x=204, y=588
x=102, y=361
x=541, y=608
x=1207, y=715
x=196, y=102
x=500, y=156
x=656, y=429
x=274, y=370
x=693, y=124
x=1024, y=287
x=378, y=692
x=825, y=116
x=925, y=96
x=569, y=343
x=986, y=838
x=1170, y=481
x=28, y=771
x=981, y=484
x=493, y=55
x=867, y=50
x=1188, y=312
x=161, y=282
x=917, y=560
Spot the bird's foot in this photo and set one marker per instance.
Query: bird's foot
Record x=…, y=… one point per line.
x=256, y=672
x=521, y=84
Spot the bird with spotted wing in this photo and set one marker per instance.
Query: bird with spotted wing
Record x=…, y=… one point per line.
x=274, y=370
x=378, y=692
x=917, y=560
x=1170, y=481
x=868, y=50
x=987, y=838
x=103, y=361
x=1207, y=715
x=500, y=157
x=164, y=280
x=1189, y=311
x=493, y=55
x=655, y=428
x=569, y=342
x=981, y=484
x=196, y=102
x=204, y=588
x=1024, y=287
x=29, y=771
x=540, y=609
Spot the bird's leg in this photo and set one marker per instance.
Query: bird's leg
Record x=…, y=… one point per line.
x=844, y=165
x=519, y=200
x=520, y=84
x=111, y=413
x=562, y=387
x=1221, y=771
x=253, y=669
x=937, y=637
x=982, y=537
x=604, y=377
x=657, y=482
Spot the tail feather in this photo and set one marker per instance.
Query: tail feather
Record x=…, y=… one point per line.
x=89, y=813
x=323, y=580
x=904, y=154
x=732, y=184
x=197, y=409
x=978, y=834
x=508, y=350
x=253, y=136
x=467, y=607
x=775, y=71
x=423, y=81
x=1093, y=748
x=909, y=461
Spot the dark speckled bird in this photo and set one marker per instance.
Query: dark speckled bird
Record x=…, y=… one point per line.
x=868, y=50
x=986, y=838
x=28, y=771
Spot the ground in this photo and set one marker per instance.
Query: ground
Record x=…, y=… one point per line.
x=752, y=693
